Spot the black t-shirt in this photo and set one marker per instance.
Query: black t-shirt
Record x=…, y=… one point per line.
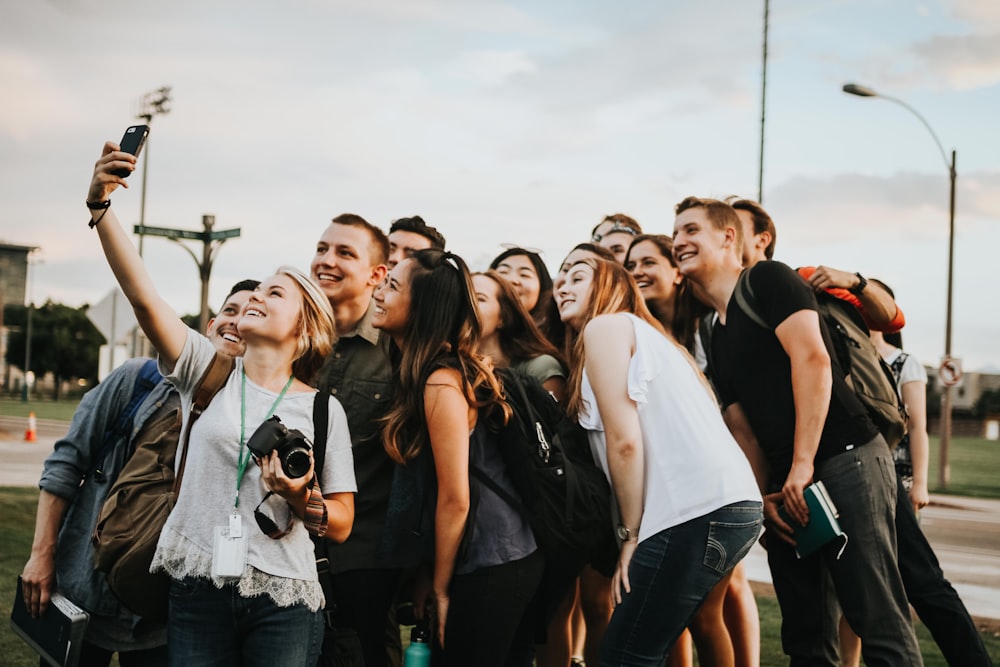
x=752, y=369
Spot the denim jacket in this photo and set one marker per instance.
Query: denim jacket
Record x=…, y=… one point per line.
x=71, y=473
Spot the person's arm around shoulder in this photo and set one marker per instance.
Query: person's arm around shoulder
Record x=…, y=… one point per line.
x=612, y=337
x=447, y=414
x=877, y=306
x=812, y=383
x=158, y=320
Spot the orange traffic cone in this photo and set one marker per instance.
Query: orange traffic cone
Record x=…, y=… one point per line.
x=29, y=435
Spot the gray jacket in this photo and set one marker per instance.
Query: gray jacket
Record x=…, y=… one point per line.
x=71, y=472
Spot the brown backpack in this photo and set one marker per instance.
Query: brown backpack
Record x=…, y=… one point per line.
x=142, y=497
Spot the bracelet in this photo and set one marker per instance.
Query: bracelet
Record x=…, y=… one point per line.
x=101, y=206
x=860, y=287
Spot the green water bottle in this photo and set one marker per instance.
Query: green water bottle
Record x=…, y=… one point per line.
x=418, y=653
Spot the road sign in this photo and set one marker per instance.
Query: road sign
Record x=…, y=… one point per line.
x=186, y=234
x=950, y=371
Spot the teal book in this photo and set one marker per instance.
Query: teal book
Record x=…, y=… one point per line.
x=823, y=526
x=57, y=635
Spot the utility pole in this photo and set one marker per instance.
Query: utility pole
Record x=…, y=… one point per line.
x=211, y=241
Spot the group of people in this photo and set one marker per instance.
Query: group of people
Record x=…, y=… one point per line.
x=704, y=422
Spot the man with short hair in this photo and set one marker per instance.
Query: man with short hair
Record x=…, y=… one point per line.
x=932, y=596
x=74, y=484
x=408, y=235
x=349, y=262
x=787, y=403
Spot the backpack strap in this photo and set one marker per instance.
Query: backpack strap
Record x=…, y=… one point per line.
x=211, y=382
x=321, y=422
x=147, y=379
x=746, y=300
x=897, y=365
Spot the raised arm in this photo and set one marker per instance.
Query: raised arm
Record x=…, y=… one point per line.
x=611, y=338
x=158, y=320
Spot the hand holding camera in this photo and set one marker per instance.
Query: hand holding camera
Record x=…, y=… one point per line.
x=284, y=456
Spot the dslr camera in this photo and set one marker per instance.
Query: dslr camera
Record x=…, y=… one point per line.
x=292, y=445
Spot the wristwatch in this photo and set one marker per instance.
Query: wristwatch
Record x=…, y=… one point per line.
x=624, y=534
x=860, y=287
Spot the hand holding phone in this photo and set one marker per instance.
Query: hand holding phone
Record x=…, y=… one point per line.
x=132, y=142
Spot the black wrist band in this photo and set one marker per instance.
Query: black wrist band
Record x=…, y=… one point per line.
x=860, y=287
x=101, y=206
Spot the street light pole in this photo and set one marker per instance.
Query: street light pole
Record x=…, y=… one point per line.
x=944, y=472
x=154, y=103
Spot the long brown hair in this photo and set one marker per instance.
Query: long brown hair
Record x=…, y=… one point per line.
x=613, y=290
x=442, y=331
x=520, y=338
x=683, y=326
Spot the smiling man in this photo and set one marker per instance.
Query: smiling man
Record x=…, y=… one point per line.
x=349, y=262
x=786, y=402
x=95, y=450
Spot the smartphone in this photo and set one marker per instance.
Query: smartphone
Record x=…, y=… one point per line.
x=132, y=142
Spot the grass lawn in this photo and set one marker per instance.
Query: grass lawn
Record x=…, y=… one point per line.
x=975, y=467
x=17, y=512
x=43, y=409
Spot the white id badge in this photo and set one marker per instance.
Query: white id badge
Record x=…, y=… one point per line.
x=229, y=555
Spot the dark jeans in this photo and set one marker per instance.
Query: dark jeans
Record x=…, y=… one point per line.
x=671, y=574
x=95, y=656
x=362, y=599
x=932, y=596
x=213, y=627
x=490, y=617
x=862, y=484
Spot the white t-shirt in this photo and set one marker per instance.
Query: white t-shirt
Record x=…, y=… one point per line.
x=693, y=465
x=285, y=568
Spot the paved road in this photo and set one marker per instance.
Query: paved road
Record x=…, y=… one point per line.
x=965, y=532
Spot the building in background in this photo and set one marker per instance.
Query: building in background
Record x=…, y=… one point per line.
x=13, y=288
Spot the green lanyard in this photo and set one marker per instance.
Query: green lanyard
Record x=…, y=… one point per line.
x=242, y=459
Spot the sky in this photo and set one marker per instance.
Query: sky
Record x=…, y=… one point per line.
x=513, y=122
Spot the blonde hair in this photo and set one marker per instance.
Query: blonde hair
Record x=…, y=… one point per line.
x=317, y=328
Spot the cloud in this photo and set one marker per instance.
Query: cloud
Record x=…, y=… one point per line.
x=32, y=100
x=904, y=205
x=963, y=62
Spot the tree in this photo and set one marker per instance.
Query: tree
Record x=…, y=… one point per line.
x=64, y=341
x=988, y=404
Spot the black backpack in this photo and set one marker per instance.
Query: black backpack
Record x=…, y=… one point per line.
x=565, y=497
x=866, y=373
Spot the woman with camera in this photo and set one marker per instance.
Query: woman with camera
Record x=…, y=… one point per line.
x=484, y=562
x=244, y=589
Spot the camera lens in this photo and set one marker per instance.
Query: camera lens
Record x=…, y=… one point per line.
x=295, y=462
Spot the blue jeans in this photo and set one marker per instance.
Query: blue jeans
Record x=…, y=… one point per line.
x=208, y=626
x=671, y=574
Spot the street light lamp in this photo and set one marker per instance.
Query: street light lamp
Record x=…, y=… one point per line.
x=944, y=474
x=153, y=103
